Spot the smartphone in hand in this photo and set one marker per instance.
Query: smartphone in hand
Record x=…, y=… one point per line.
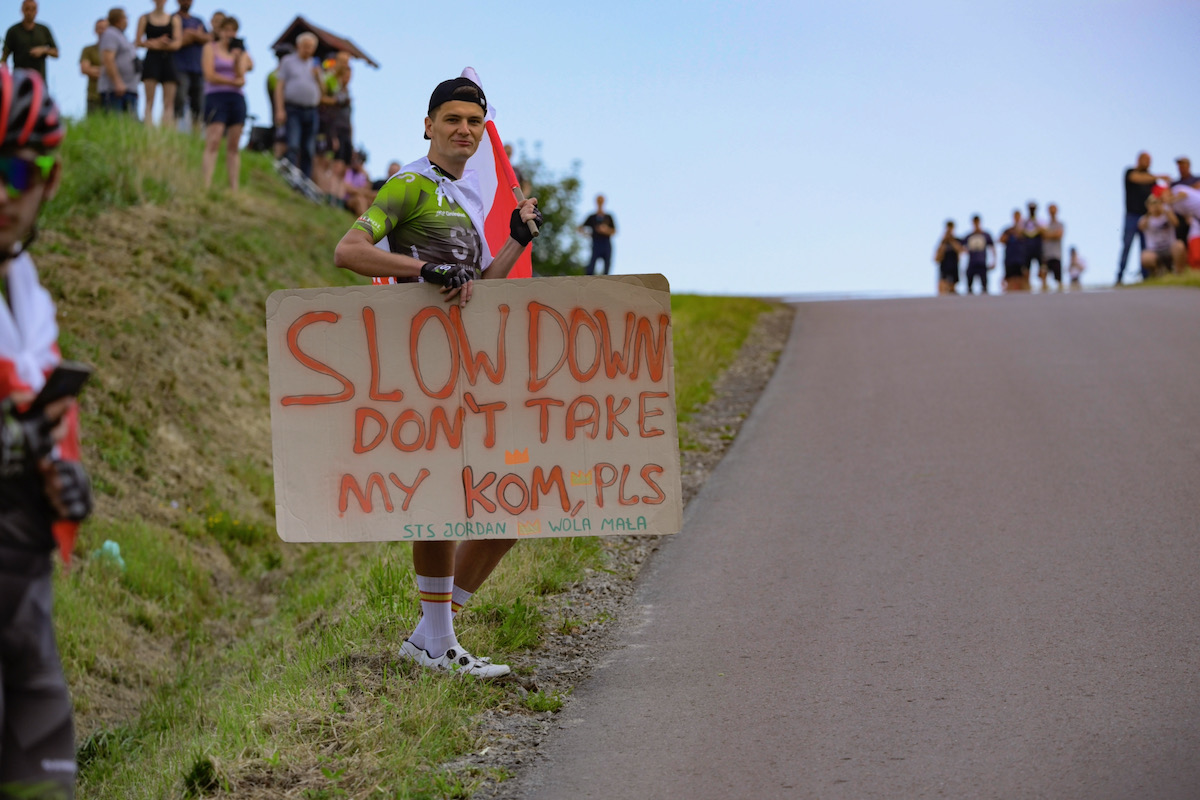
x=65, y=381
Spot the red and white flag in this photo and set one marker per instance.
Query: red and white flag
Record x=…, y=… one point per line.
x=497, y=181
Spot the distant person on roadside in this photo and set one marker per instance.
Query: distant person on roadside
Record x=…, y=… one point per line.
x=189, y=69
x=946, y=256
x=1139, y=184
x=392, y=168
x=1031, y=229
x=1016, y=265
x=1186, y=178
x=90, y=65
x=978, y=244
x=602, y=227
x=44, y=490
x=427, y=225
x=1051, y=235
x=215, y=21
x=225, y=67
x=160, y=33
x=1163, y=251
x=1075, y=268
x=335, y=122
x=118, y=75
x=357, y=193
x=29, y=42
x=1185, y=201
x=297, y=95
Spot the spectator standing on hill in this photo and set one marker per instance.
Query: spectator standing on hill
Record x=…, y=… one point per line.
x=1158, y=228
x=44, y=490
x=1076, y=268
x=1139, y=184
x=1031, y=230
x=90, y=65
x=225, y=66
x=1051, y=236
x=118, y=75
x=1186, y=178
x=160, y=33
x=946, y=256
x=29, y=42
x=357, y=192
x=297, y=95
x=189, y=96
x=429, y=222
x=335, y=122
x=602, y=227
x=1016, y=265
x=978, y=243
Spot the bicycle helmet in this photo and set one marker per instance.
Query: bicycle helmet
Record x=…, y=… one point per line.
x=28, y=115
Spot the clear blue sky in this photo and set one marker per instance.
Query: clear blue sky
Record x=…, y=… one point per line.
x=776, y=147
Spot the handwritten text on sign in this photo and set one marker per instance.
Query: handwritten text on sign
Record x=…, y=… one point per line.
x=544, y=408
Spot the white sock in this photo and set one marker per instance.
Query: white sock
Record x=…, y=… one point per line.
x=459, y=599
x=435, y=632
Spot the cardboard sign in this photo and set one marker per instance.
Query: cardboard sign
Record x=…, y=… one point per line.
x=546, y=407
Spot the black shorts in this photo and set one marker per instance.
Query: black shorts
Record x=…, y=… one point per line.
x=1015, y=270
x=1054, y=267
x=948, y=273
x=224, y=108
x=159, y=65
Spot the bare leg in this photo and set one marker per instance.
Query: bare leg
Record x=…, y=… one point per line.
x=475, y=560
x=212, y=143
x=233, y=155
x=151, y=88
x=434, y=559
x=168, y=114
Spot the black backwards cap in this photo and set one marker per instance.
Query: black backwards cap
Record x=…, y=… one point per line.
x=463, y=89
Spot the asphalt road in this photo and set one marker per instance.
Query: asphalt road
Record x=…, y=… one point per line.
x=955, y=552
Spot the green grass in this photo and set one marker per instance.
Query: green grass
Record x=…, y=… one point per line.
x=708, y=333
x=1189, y=278
x=220, y=661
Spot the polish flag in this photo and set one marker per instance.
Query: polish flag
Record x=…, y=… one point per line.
x=497, y=182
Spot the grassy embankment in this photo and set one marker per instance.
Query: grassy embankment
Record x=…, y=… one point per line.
x=219, y=661
x=1189, y=278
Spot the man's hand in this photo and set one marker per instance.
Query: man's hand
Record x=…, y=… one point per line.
x=522, y=215
x=451, y=276
x=68, y=488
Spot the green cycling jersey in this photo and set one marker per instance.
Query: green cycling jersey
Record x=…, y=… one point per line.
x=417, y=220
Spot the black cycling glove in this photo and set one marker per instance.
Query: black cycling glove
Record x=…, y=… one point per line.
x=518, y=229
x=74, y=490
x=452, y=276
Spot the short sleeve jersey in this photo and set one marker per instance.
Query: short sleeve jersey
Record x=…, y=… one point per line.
x=414, y=219
x=977, y=245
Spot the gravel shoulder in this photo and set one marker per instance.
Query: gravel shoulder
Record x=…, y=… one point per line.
x=582, y=622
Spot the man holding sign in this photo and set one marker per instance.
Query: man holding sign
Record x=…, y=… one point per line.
x=426, y=224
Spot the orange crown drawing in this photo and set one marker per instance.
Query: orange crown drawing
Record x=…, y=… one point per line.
x=516, y=456
x=529, y=528
x=581, y=478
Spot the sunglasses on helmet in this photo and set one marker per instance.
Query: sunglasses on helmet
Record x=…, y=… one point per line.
x=18, y=173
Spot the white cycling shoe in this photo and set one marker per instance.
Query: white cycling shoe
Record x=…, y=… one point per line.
x=456, y=661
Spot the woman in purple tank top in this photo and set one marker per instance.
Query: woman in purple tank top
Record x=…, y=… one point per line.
x=225, y=63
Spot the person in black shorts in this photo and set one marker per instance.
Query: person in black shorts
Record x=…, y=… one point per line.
x=161, y=34
x=44, y=491
x=947, y=256
x=977, y=243
x=1016, y=265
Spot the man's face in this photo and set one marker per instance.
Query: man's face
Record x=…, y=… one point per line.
x=454, y=130
x=1143, y=161
x=599, y=202
x=121, y=22
x=393, y=168
x=29, y=10
x=101, y=26
x=18, y=214
x=1053, y=209
x=1016, y=217
x=185, y=6
x=1032, y=210
x=1185, y=166
x=975, y=222
x=305, y=48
